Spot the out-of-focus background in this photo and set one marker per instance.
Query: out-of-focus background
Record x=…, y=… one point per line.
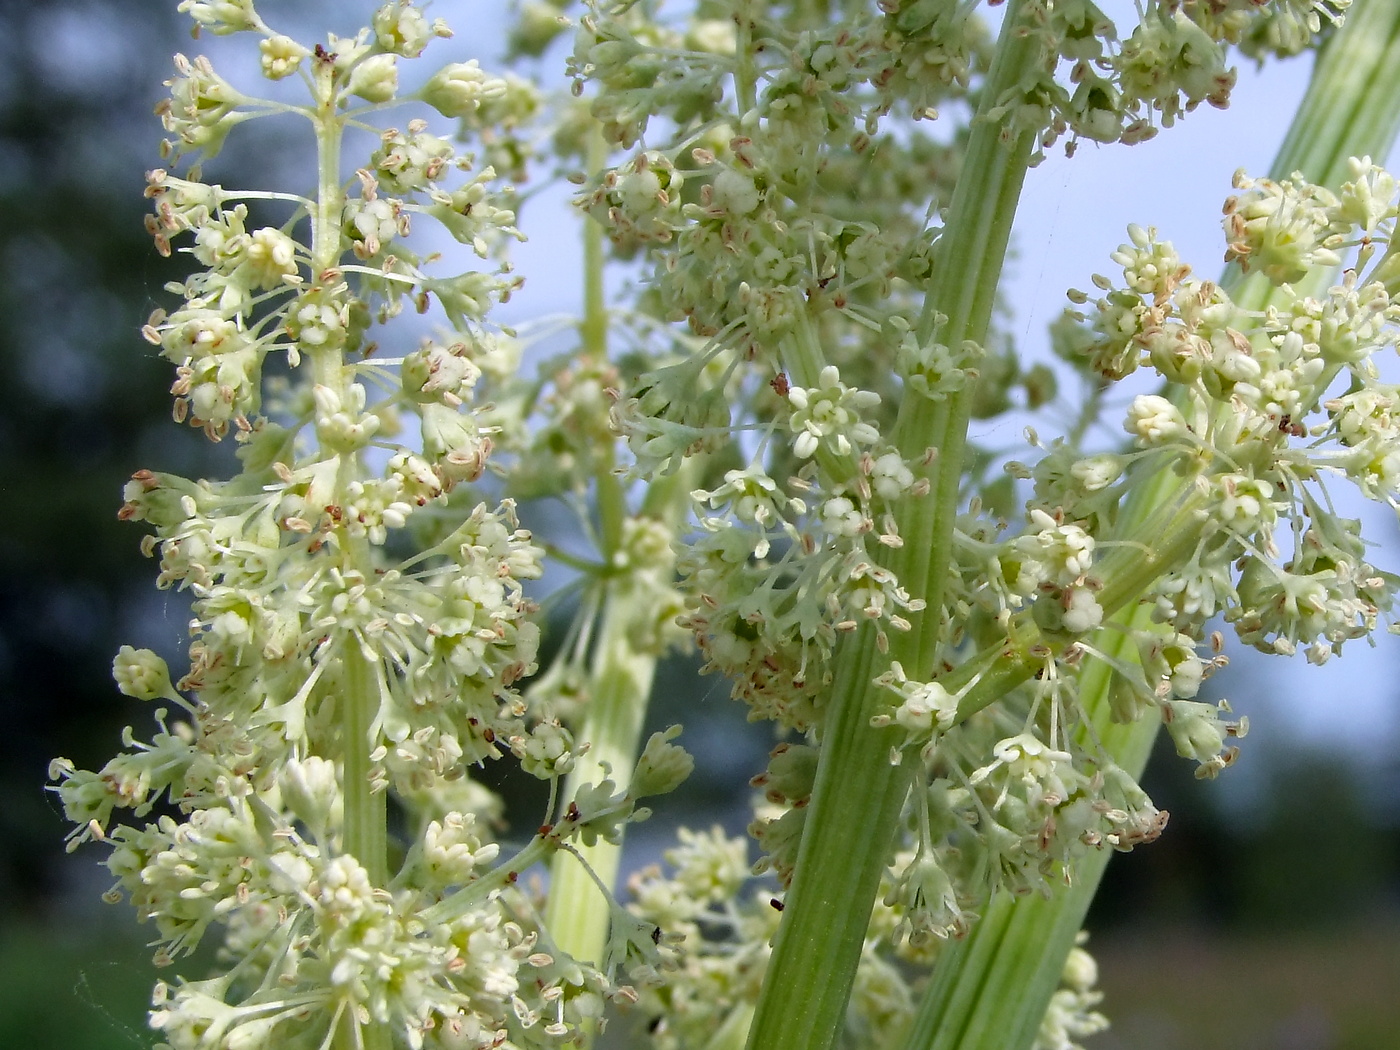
x=1267, y=917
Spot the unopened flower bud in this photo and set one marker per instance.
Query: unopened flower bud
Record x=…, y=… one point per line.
x=376, y=79
x=460, y=89
x=662, y=766
x=142, y=674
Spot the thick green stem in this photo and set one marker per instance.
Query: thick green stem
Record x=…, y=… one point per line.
x=366, y=835
x=990, y=990
x=330, y=199
x=577, y=914
x=620, y=678
x=593, y=335
x=1349, y=109
x=858, y=795
x=957, y=310
x=622, y=671
x=745, y=93
x=620, y=685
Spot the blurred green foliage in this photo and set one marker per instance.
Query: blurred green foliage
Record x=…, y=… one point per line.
x=68, y=986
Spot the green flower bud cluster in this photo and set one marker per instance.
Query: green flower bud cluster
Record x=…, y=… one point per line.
x=780, y=578
x=1106, y=88
x=1270, y=404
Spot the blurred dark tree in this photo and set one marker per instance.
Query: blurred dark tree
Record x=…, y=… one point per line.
x=88, y=404
x=1315, y=857
x=88, y=397
x=1312, y=853
x=87, y=401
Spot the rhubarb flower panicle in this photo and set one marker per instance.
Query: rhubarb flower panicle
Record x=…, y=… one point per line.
x=360, y=625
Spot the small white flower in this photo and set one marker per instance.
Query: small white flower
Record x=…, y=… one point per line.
x=311, y=790
x=926, y=708
x=221, y=16
x=1063, y=553
x=1245, y=503
x=341, y=421
x=281, y=56
x=927, y=705
x=1154, y=420
x=401, y=29
x=1097, y=472
x=1082, y=612
x=662, y=767
x=841, y=518
x=460, y=89
x=734, y=192
x=270, y=258
x=830, y=413
x=453, y=851
x=890, y=477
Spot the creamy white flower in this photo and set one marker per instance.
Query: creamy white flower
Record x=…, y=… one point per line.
x=1154, y=420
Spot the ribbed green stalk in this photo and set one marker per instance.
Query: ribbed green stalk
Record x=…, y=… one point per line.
x=621, y=679
x=620, y=682
x=621, y=674
x=990, y=991
x=1350, y=107
x=366, y=834
x=971, y=253
x=858, y=795
x=366, y=824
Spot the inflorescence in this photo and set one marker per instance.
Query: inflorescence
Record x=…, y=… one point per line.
x=364, y=625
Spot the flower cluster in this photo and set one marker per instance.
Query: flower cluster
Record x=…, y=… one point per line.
x=360, y=623
x=1273, y=404
x=774, y=461
x=799, y=286
x=1107, y=88
x=1264, y=409
x=723, y=924
x=779, y=578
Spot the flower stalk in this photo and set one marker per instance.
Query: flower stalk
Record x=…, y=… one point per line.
x=577, y=915
x=859, y=794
